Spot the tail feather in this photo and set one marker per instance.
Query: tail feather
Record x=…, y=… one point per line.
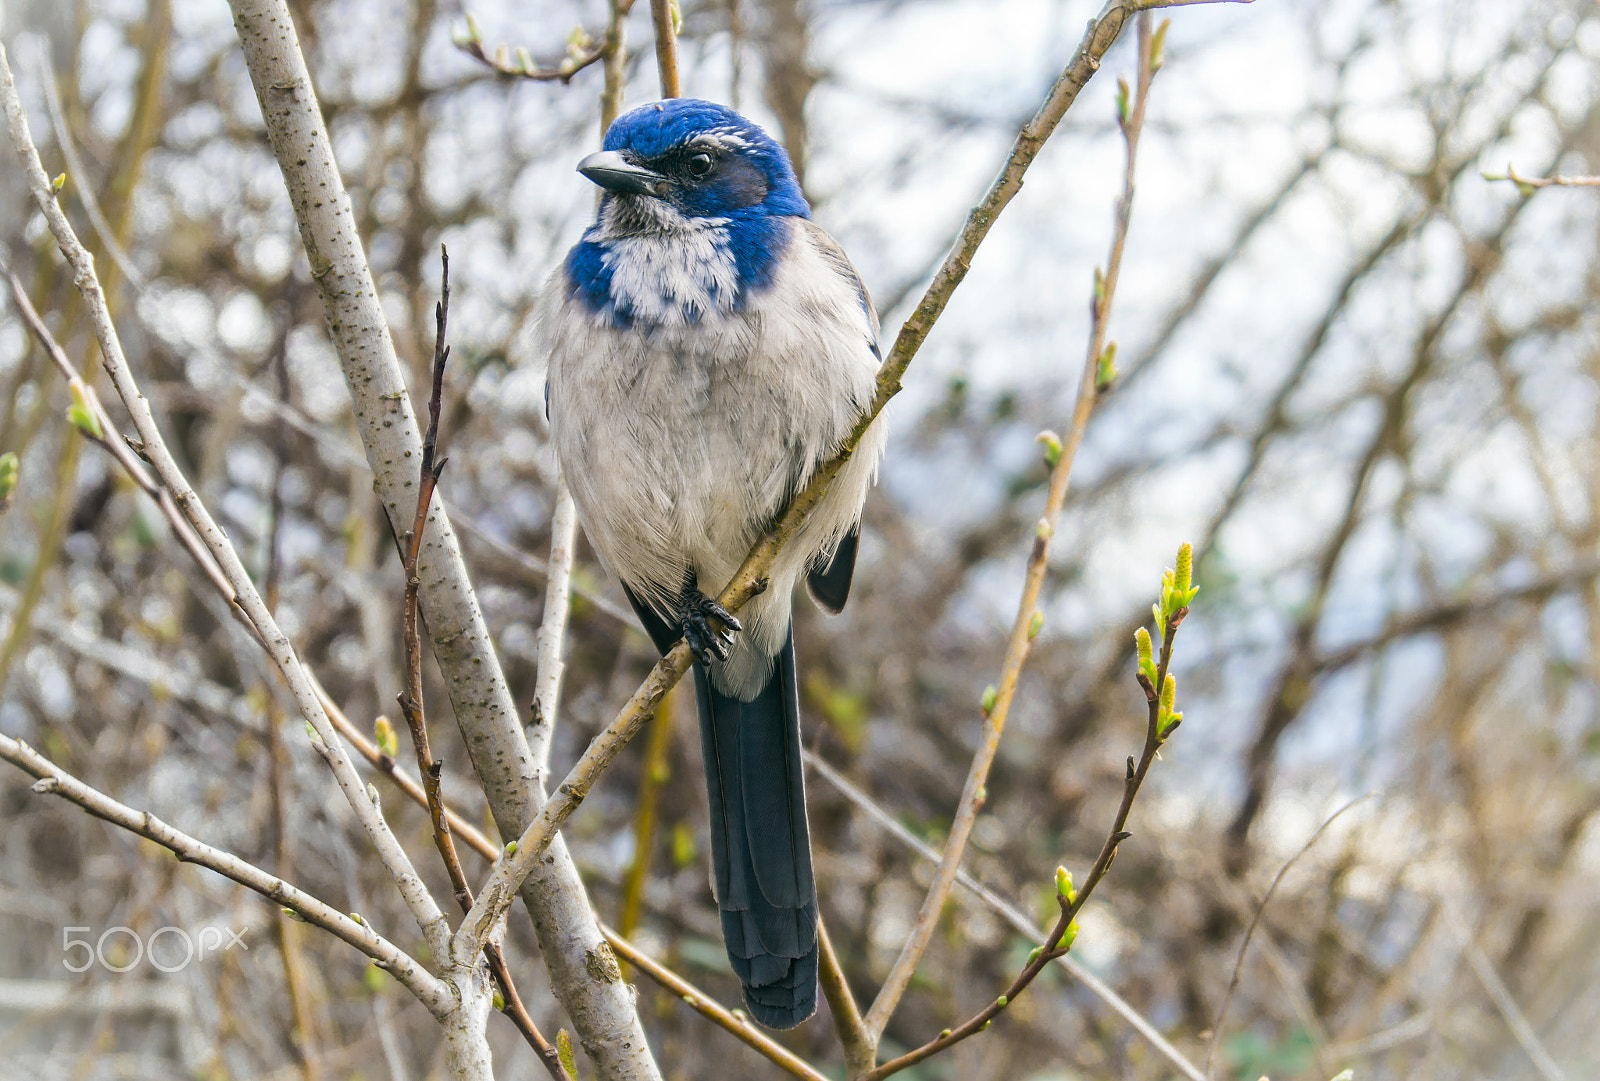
x=760, y=846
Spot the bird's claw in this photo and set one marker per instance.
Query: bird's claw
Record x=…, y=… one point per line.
x=707, y=642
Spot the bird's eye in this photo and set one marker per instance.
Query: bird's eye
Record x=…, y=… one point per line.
x=700, y=165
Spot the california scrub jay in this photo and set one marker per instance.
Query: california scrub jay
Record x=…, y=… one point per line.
x=709, y=348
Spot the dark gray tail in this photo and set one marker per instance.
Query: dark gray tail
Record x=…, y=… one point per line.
x=760, y=847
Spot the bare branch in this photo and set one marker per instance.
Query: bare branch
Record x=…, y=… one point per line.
x=1025, y=627
x=1255, y=920
x=1527, y=185
x=601, y=1010
x=432, y=992
x=1007, y=911
x=243, y=592
x=666, y=48
x=518, y=63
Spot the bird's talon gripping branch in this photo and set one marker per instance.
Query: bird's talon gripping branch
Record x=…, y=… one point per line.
x=694, y=609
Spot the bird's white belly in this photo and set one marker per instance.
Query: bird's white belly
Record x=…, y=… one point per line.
x=681, y=443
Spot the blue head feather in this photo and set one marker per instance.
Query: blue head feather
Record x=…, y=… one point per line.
x=749, y=196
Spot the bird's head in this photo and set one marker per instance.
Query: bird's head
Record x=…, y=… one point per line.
x=695, y=159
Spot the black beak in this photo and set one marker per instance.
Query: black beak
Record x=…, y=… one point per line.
x=613, y=172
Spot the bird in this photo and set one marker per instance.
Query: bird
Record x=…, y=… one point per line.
x=709, y=347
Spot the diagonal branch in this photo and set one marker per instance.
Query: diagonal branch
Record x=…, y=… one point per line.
x=241, y=592
x=737, y=1024
x=1007, y=911
x=411, y=700
x=1029, y=619
x=432, y=992
x=581, y=971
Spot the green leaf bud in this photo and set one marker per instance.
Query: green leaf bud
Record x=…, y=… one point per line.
x=1052, y=447
x=569, y=1061
x=1158, y=43
x=383, y=736
x=1147, y=656
x=1105, y=369
x=81, y=415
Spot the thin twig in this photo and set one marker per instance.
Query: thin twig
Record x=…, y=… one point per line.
x=518, y=63
x=666, y=48
x=1527, y=185
x=1005, y=910
x=615, y=55
x=1255, y=920
x=1057, y=942
x=76, y=173
x=653, y=775
x=411, y=702
x=707, y=1007
x=302, y=1037
x=243, y=594
x=1025, y=627
x=474, y=839
x=52, y=780
x=553, y=628
x=860, y=1049
x=1507, y=1006
x=119, y=449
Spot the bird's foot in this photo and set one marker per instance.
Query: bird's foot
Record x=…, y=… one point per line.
x=695, y=610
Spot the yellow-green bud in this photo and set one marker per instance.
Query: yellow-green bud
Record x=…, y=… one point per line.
x=569, y=1061
x=1105, y=369
x=1158, y=42
x=1180, y=578
x=1147, y=656
x=1035, y=625
x=81, y=414
x=1169, y=693
x=990, y=697
x=383, y=736
x=1068, y=937
x=1052, y=447
x=1064, y=888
